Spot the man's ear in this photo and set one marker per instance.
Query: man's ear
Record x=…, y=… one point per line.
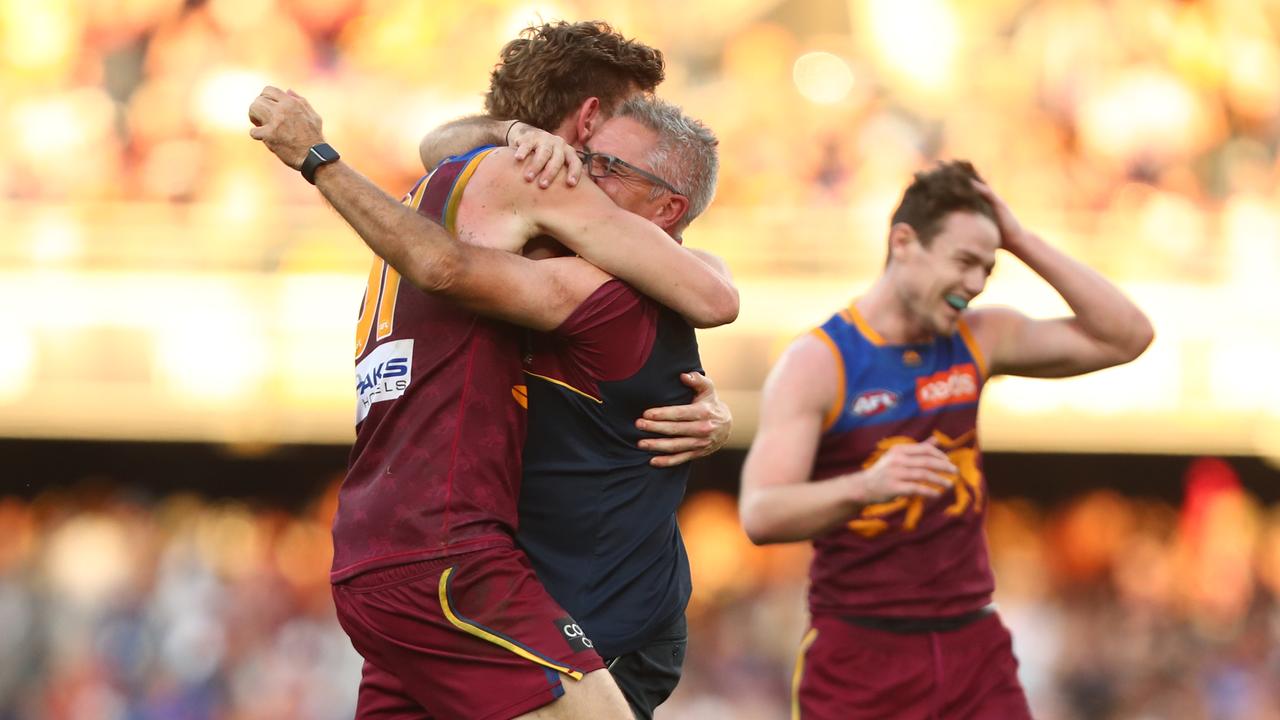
x=671, y=212
x=588, y=119
x=902, y=237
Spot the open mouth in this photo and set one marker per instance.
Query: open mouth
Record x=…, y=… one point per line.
x=956, y=301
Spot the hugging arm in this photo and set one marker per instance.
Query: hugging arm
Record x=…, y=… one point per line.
x=542, y=155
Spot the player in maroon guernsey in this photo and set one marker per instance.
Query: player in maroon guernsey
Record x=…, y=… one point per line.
x=868, y=445
x=446, y=611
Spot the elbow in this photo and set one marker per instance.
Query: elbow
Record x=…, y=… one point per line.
x=755, y=531
x=721, y=310
x=756, y=524
x=761, y=535
x=438, y=273
x=759, y=538
x=1140, y=338
x=428, y=153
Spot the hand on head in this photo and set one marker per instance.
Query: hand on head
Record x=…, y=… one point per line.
x=286, y=123
x=1010, y=229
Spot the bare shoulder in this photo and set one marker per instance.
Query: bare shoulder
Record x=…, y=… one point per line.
x=808, y=372
x=491, y=210
x=501, y=177
x=496, y=171
x=992, y=325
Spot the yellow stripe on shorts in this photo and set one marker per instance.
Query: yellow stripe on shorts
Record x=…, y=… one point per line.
x=798, y=675
x=472, y=628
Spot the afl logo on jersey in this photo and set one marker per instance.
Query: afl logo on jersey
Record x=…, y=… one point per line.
x=874, y=402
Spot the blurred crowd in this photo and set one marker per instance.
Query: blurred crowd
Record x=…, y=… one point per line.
x=1139, y=133
x=119, y=606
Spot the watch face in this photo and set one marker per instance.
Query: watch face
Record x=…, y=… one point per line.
x=324, y=152
x=317, y=155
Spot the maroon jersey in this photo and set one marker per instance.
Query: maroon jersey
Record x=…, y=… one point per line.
x=909, y=557
x=435, y=469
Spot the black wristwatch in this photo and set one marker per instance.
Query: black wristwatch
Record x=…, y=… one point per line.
x=321, y=154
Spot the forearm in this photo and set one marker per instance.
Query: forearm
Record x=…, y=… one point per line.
x=636, y=251
x=420, y=250
x=459, y=136
x=1101, y=309
x=797, y=511
x=704, y=295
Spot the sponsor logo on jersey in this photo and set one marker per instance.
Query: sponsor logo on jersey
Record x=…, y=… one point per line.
x=383, y=375
x=954, y=386
x=874, y=402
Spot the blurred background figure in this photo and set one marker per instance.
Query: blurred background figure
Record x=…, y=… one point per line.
x=174, y=366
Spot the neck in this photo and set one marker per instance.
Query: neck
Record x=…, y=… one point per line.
x=568, y=131
x=887, y=314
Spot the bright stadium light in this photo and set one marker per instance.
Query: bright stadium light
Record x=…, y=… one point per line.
x=523, y=16
x=88, y=559
x=1143, y=109
x=916, y=38
x=49, y=126
x=55, y=239
x=1251, y=226
x=222, y=98
x=822, y=77
x=35, y=35
x=213, y=357
x=1253, y=77
x=17, y=361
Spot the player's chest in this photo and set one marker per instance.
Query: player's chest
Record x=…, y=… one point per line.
x=894, y=385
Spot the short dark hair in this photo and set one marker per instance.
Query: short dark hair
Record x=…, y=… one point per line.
x=936, y=193
x=552, y=68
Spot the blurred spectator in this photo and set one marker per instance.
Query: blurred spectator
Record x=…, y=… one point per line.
x=1138, y=134
x=121, y=607
x=1122, y=129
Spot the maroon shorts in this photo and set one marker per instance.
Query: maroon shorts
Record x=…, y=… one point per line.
x=468, y=636
x=851, y=672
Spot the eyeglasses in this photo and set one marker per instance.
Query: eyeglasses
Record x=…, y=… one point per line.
x=601, y=165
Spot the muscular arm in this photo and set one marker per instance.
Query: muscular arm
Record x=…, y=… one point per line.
x=1106, y=329
x=504, y=285
x=633, y=249
x=494, y=282
x=460, y=136
x=581, y=216
x=497, y=283
x=715, y=262
x=499, y=203
x=777, y=502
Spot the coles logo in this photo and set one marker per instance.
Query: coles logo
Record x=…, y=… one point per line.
x=954, y=386
x=874, y=402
